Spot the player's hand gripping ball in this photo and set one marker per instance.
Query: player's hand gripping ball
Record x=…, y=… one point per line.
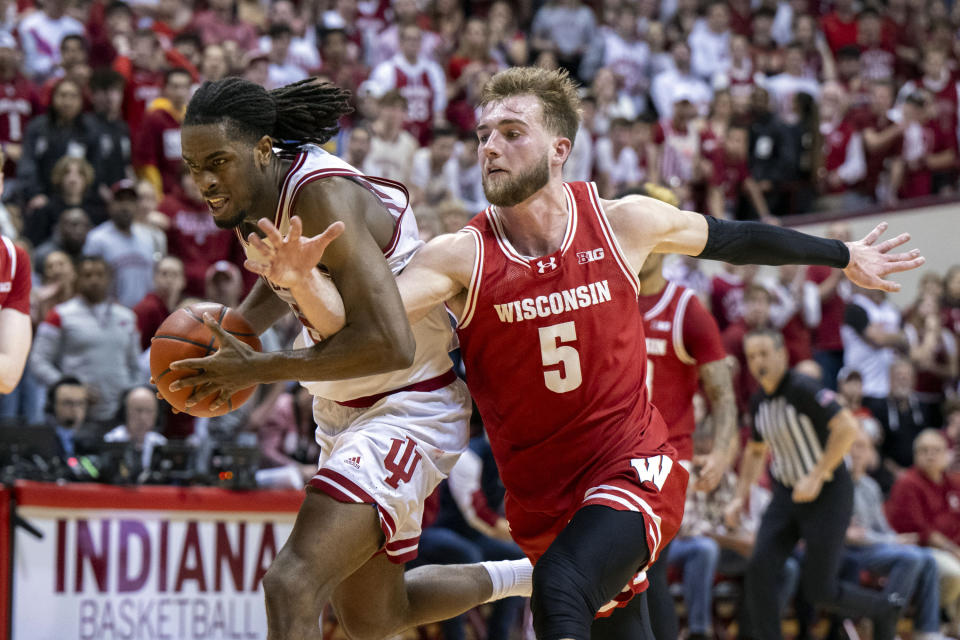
x=184, y=335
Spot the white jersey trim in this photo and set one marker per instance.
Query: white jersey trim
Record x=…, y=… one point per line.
x=476, y=278
x=12, y=252
x=662, y=303
x=612, y=240
x=678, y=346
x=508, y=249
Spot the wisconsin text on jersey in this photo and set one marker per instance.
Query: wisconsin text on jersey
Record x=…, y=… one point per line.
x=555, y=303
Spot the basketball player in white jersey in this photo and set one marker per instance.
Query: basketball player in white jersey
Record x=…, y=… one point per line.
x=391, y=415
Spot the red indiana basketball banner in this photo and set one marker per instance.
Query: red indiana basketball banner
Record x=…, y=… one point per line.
x=155, y=562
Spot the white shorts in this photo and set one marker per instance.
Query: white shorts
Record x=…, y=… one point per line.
x=392, y=455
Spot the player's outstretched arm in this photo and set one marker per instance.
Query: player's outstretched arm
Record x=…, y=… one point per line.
x=439, y=273
x=644, y=225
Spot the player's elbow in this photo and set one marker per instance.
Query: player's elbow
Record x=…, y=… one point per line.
x=9, y=379
x=402, y=349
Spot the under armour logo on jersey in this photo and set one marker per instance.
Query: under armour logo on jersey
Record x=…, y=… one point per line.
x=583, y=257
x=550, y=265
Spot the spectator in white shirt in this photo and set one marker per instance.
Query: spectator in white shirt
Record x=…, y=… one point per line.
x=40, y=35
x=139, y=420
x=281, y=72
x=391, y=148
x=618, y=167
x=433, y=177
x=469, y=187
x=710, y=42
x=784, y=86
x=566, y=28
x=679, y=80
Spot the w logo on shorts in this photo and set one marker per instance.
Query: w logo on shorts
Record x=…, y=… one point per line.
x=402, y=461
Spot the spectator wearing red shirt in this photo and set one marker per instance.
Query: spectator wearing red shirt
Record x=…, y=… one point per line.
x=926, y=149
x=168, y=284
x=74, y=64
x=726, y=292
x=732, y=191
x=844, y=162
x=938, y=79
x=877, y=54
x=220, y=23
x=192, y=236
x=16, y=330
x=20, y=103
x=840, y=25
x=766, y=53
x=882, y=138
x=156, y=154
x=833, y=289
x=925, y=500
x=933, y=351
x=143, y=70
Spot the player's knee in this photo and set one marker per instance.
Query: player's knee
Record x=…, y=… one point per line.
x=563, y=603
x=360, y=622
x=290, y=582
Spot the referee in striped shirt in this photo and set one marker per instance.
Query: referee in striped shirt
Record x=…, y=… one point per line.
x=808, y=434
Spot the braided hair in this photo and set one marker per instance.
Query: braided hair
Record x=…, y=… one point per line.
x=302, y=112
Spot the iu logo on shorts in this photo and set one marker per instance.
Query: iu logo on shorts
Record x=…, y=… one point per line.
x=549, y=265
x=402, y=461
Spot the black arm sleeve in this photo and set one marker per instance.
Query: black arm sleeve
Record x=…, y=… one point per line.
x=760, y=243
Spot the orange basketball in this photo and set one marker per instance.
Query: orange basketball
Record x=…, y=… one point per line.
x=183, y=335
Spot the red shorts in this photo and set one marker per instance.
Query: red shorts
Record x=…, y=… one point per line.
x=653, y=486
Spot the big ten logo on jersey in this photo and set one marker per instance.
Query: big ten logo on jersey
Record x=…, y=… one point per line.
x=583, y=257
x=402, y=461
x=654, y=469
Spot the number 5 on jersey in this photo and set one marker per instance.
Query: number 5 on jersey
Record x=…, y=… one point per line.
x=554, y=352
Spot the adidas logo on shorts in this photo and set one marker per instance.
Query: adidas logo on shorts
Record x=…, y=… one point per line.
x=353, y=462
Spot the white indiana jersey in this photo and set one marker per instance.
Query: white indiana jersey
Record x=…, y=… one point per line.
x=433, y=333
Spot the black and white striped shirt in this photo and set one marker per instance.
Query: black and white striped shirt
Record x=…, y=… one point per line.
x=793, y=422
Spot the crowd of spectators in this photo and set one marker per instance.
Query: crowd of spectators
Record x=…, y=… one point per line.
x=754, y=109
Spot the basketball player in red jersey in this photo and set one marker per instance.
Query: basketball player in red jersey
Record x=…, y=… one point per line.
x=684, y=350
x=16, y=330
x=544, y=287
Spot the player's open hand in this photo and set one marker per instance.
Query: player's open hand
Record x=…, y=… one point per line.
x=286, y=260
x=224, y=373
x=870, y=263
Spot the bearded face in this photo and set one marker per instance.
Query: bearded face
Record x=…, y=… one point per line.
x=507, y=190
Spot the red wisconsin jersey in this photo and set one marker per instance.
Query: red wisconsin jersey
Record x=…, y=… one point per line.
x=14, y=277
x=554, y=353
x=681, y=335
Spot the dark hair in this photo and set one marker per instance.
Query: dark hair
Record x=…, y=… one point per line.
x=305, y=111
x=848, y=52
x=188, y=37
x=72, y=381
x=764, y=12
x=104, y=78
x=85, y=258
x=118, y=5
x=278, y=29
x=75, y=36
x=443, y=132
